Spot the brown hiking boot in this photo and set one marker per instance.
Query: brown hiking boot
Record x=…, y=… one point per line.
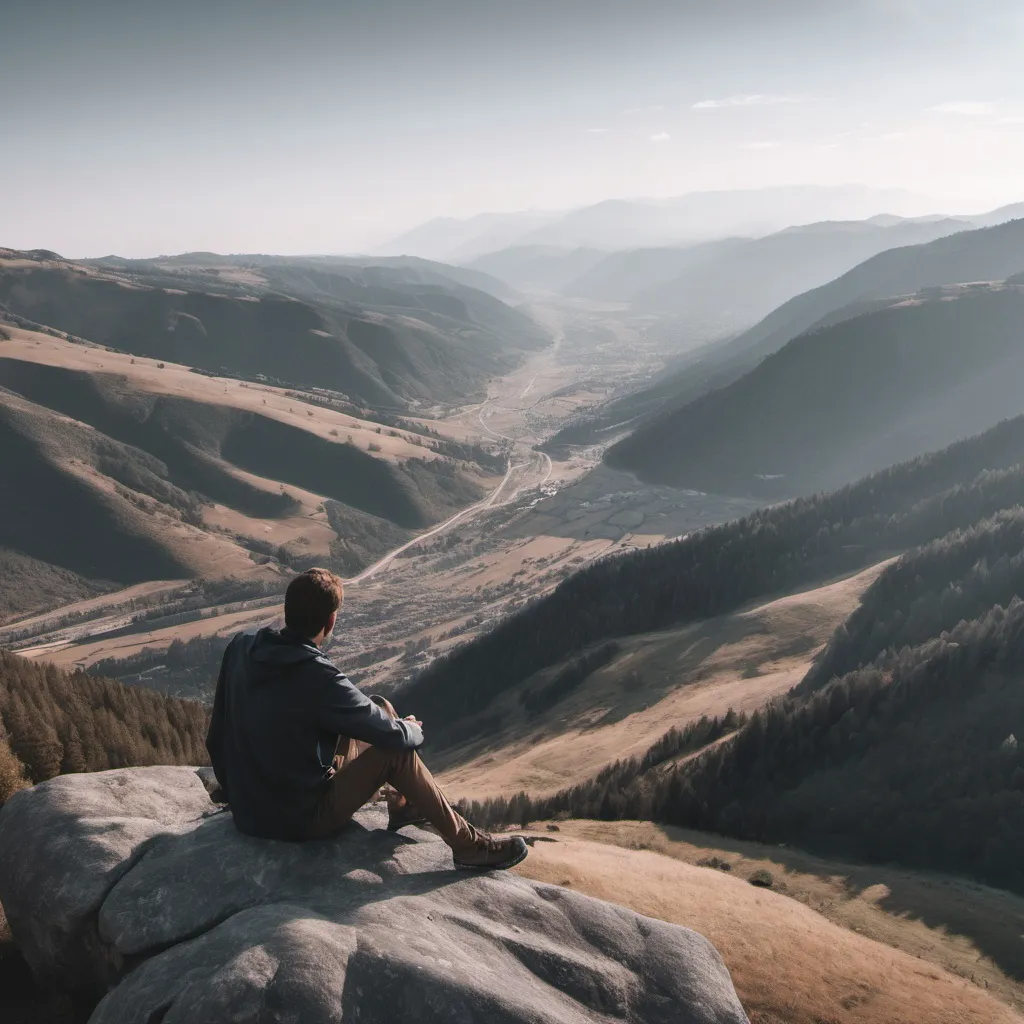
x=399, y=817
x=490, y=854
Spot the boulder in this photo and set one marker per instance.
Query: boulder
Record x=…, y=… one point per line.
x=133, y=888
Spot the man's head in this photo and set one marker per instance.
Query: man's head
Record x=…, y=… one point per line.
x=311, y=604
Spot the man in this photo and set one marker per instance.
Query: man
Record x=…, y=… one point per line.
x=283, y=711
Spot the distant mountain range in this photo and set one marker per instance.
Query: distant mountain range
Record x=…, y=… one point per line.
x=987, y=254
x=539, y=268
x=634, y=223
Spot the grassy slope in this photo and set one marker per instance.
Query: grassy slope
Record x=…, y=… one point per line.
x=137, y=453
x=737, y=661
x=866, y=947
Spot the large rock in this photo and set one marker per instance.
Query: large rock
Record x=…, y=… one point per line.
x=133, y=881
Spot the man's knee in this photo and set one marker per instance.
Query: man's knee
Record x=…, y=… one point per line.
x=384, y=704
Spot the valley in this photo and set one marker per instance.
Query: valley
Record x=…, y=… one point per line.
x=441, y=585
x=571, y=552
x=629, y=396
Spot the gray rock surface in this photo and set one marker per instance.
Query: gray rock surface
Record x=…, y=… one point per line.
x=133, y=881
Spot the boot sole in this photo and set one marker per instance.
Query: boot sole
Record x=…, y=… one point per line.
x=405, y=824
x=503, y=866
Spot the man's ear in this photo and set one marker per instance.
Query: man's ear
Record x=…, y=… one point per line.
x=329, y=628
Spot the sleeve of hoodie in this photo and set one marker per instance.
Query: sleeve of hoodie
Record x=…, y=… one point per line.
x=346, y=710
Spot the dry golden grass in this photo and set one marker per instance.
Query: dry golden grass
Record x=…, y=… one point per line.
x=85, y=654
x=790, y=964
x=739, y=661
x=167, y=378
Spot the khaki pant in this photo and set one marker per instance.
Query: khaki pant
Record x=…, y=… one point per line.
x=361, y=770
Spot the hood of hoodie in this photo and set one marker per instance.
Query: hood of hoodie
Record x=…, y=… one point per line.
x=270, y=650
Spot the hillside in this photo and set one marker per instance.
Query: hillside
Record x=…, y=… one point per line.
x=621, y=276
x=987, y=254
x=843, y=401
x=745, y=282
x=900, y=744
x=174, y=474
x=911, y=761
x=990, y=254
x=833, y=942
x=721, y=569
x=378, y=335
x=400, y=271
x=53, y=722
x=538, y=268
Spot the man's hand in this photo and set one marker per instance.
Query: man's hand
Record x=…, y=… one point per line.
x=413, y=718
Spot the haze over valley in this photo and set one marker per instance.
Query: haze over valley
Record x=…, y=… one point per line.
x=654, y=382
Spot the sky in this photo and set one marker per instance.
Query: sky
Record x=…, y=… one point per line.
x=139, y=128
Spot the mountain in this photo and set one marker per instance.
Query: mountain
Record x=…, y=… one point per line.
x=537, y=268
x=398, y=270
x=698, y=216
x=452, y=238
x=620, y=276
x=715, y=571
x=617, y=224
x=986, y=254
x=743, y=283
x=1014, y=211
x=899, y=746
x=845, y=400
x=173, y=474
x=971, y=255
x=379, y=335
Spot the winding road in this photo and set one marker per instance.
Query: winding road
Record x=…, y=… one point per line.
x=539, y=462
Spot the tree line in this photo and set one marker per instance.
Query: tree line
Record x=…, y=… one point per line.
x=53, y=722
x=720, y=568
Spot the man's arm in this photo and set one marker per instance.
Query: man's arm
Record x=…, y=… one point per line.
x=346, y=710
x=215, y=734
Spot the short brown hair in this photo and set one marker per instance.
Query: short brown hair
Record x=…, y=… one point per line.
x=310, y=600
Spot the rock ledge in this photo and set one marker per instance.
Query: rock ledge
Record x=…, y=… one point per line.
x=132, y=886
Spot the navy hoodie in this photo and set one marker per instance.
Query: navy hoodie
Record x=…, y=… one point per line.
x=280, y=709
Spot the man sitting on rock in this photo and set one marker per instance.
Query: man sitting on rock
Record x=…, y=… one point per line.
x=297, y=749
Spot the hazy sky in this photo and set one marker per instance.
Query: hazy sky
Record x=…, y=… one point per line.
x=327, y=125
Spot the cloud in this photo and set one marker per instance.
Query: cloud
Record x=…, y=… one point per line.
x=761, y=144
x=595, y=131
x=654, y=108
x=660, y=137
x=963, y=108
x=753, y=99
x=886, y=137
